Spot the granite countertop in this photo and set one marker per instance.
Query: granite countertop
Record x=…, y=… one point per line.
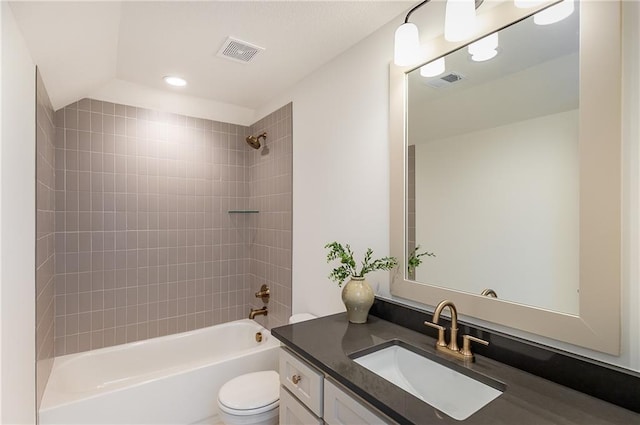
x=328, y=341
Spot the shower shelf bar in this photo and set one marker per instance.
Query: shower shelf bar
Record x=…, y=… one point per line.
x=243, y=212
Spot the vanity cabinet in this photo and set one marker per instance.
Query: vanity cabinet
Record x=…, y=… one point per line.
x=301, y=380
x=292, y=412
x=342, y=409
x=307, y=397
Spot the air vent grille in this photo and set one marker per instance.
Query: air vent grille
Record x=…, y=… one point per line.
x=238, y=50
x=452, y=78
x=445, y=81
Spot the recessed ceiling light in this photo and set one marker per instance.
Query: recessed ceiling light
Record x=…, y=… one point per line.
x=175, y=81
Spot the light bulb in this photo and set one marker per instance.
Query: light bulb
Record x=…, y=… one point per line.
x=459, y=20
x=407, y=45
x=433, y=68
x=554, y=13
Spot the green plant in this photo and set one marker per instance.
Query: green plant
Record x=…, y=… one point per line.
x=414, y=258
x=348, y=265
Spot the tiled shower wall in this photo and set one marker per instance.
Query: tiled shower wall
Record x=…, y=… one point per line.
x=45, y=254
x=145, y=245
x=270, y=193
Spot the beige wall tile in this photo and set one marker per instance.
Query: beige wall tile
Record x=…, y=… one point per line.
x=147, y=245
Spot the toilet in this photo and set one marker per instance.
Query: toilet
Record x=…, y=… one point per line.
x=253, y=398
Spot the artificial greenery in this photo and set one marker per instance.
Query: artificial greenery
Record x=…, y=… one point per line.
x=348, y=264
x=414, y=258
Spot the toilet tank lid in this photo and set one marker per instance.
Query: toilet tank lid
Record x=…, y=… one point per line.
x=251, y=391
x=301, y=317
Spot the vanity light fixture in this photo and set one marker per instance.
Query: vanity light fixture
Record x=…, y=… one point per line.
x=175, y=81
x=484, y=49
x=407, y=41
x=459, y=24
x=459, y=19
x=407, y=44
x=554, y=13
x=433, y=68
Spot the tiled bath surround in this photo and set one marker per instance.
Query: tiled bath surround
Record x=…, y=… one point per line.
x=270, y=193
x=45, y=253
x=145, y=245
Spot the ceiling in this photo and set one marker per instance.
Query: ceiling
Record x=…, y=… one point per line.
x=82, y=46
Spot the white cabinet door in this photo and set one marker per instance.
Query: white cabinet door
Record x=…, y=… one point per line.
x=302, y=380
x=342, y=409
x=292, y=412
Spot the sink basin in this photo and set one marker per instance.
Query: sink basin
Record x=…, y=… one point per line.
x=458, y=393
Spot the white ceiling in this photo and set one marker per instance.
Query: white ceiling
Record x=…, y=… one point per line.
x=82, y=46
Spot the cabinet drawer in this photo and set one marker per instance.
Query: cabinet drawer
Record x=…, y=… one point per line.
x=303, y=381
x=342, y=409
x=292, y=412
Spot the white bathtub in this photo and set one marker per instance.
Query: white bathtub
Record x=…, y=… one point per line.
x=167, y=380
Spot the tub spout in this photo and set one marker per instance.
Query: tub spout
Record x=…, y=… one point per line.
x=258, y=312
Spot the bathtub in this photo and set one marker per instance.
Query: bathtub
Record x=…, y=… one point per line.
x=172, y=379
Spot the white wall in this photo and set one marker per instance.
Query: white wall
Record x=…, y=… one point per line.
x=340, y=167
x=500, y=208
x=17, y=227
x=340, y=175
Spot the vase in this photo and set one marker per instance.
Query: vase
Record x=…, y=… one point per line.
x=357, y=296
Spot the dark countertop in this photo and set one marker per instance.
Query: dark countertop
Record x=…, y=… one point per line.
x=327, y=342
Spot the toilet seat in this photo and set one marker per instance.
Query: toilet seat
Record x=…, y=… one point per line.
x=250, y=394
x=248, y=412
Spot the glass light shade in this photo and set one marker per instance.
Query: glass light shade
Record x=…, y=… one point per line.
x=554, y=13
x=433, y=68
x=484, y=56
x=407, y=45
x=485, y=44
x=484, y=49
x=459, y=20
x=525, y=4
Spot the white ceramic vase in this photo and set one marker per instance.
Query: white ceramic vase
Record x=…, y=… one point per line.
x=357, y=296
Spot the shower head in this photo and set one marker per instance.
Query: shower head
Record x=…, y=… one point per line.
x=254, y=141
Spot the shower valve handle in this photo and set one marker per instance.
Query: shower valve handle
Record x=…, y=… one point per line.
x=264, y=293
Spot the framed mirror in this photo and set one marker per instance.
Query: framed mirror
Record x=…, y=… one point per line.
x=492, y=173
x=508, y=171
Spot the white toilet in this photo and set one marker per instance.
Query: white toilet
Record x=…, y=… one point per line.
x=253, y=398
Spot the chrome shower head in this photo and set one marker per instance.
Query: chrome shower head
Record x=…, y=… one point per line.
x=254, y=141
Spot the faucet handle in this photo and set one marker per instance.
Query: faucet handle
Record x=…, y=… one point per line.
x=264, y=293
x=440, y=329
x=466, y=345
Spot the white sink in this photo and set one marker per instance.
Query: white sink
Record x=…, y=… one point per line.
x=452, y=392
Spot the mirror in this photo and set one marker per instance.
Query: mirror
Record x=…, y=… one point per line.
x=548, y=243
x=492, y=177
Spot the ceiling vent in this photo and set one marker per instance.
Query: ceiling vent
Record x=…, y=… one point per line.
x=238, y=50
x=445, y=81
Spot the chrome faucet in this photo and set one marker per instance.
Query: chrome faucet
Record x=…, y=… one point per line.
x=258, y=312
x=452, y=348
